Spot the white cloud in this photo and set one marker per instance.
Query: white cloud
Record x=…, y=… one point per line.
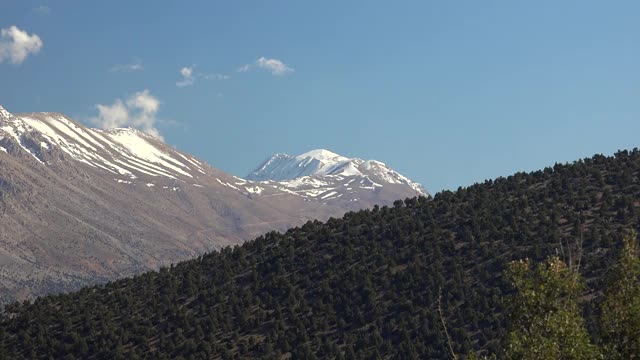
x=134, y=65
x=187, y=77
x=138, y=111
x=42, y=10
x=275, y=66
x=186, y=72
x=244, y=68
x=16, y=44
x=216, y=76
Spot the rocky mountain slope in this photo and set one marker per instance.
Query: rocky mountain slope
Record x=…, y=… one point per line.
x=81, y=205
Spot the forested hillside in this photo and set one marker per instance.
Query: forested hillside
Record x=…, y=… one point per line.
x=363, y=287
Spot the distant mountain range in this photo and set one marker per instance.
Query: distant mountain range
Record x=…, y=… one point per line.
x=81, y=205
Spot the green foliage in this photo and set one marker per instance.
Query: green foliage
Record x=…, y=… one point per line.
x=475, y=356
x=620, y=316
x=546, y=321
x=361, y=287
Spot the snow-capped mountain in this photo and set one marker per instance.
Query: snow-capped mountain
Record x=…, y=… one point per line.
x=124, y=153
x=322, y=172
x=81, y=205
x=316, y=162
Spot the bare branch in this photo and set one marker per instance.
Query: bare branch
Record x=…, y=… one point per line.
x=444, y=325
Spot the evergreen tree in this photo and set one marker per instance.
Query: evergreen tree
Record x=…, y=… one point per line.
x=365, y=285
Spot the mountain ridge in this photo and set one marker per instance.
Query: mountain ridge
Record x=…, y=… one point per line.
x=81, y=205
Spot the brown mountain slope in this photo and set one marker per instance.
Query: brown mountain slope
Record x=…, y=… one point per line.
x=80, y=205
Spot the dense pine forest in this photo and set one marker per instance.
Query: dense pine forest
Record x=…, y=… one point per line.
x=370, y=285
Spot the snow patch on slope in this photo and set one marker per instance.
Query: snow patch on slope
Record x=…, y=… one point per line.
x=135, y=143
x=119, y=151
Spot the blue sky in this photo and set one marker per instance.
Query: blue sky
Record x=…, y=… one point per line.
x=448, y=93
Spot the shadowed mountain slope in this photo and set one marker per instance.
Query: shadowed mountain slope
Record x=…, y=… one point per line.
x=364, y=286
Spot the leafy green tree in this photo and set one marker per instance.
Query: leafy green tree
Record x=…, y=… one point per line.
x=545, y=317
x=620, y=316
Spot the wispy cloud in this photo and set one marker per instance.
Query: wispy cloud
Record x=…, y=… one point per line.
x=215, y=76
x=274, y=66
x=187, y=77
x=134, y=65
x=42, y=10
x=16, y=44
x=244, y=68
x=138, y=111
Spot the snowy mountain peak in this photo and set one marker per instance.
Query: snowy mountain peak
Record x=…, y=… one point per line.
x=322, y=155
x=130, y=156
x=329, y=167
x=4, y=114
x=132, y=132
x=286, y=167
